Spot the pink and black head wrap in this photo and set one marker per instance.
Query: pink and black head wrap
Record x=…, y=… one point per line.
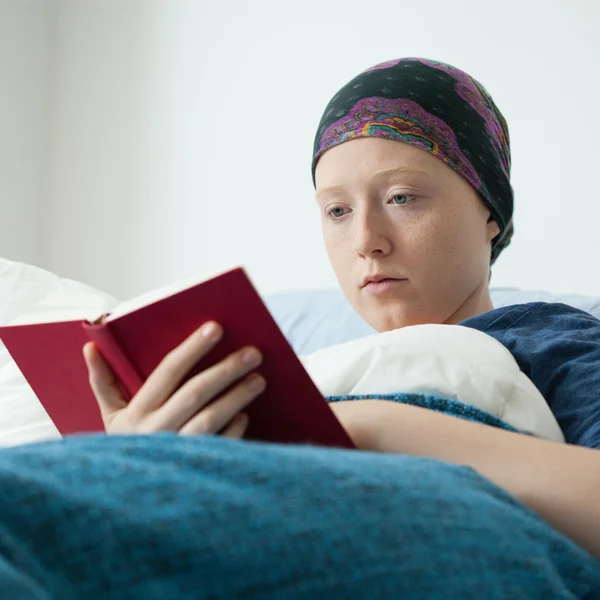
x=437, y=108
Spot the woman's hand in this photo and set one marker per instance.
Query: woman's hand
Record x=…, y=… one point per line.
x=197, y=407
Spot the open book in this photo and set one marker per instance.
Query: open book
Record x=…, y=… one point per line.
x=136, y=335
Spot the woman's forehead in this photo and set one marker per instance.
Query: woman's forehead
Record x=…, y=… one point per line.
x=376, y=159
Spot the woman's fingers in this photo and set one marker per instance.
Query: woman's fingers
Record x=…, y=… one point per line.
x=167, y=376
x=237, y=428
x=207, y=403
x=204, y=387
x=214, y=417
x=103, y=382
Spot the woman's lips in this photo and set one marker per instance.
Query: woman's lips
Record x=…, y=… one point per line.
x=383, y=286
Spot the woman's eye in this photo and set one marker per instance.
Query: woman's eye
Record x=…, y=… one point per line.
x=336, y=212
x=401, y=199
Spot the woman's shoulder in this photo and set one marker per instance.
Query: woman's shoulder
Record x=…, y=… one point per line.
x=558, y=347
x=534, y=316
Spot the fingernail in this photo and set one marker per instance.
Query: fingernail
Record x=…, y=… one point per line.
x=251, y=357
x=257, y=384
x=211, y=331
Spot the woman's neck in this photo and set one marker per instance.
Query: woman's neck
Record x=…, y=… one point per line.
x=477, y=303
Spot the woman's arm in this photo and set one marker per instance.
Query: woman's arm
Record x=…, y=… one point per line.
x=560, y=482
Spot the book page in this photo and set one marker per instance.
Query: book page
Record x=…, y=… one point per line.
x=63, y=306
x=165, y=291
x=69, y=306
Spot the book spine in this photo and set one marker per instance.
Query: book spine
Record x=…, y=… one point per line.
x=112, y=351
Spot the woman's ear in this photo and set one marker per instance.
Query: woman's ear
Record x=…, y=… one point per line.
x=492, y=228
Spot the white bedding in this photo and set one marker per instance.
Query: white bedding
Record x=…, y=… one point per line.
x=448, y=361
x=23, y=290
x=22, y=417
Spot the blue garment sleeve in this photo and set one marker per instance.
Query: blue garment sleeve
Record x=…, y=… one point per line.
x=558, y=348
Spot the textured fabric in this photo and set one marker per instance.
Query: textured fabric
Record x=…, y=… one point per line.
x=435, y=107
x=445, y=406
x=558, y=348
x=163, y=517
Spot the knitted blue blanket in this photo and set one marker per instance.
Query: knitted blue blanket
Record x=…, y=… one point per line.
x=165, y=517
x=454, y=408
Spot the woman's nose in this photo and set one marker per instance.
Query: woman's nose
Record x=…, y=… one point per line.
x=372, y=239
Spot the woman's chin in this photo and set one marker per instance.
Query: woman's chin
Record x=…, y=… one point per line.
x=389, y=316
x=385, y=320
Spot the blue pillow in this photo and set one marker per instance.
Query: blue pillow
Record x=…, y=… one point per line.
x=312, y=320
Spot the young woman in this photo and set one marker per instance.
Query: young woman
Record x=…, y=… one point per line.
x=412, y=173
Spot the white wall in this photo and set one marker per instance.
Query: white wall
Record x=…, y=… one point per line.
x=25, y=78
x=181, y=131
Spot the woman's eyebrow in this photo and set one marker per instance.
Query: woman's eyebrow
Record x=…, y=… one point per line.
x=332, y=189
x=382, y=174
x=387, y=173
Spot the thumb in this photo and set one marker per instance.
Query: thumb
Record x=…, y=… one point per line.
x=103, y=381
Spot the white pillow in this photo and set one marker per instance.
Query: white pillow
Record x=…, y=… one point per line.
x=22, y=289
x=449, y=362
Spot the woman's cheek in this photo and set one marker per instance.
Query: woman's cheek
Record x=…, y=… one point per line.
x=431, y=236
x=340, y=255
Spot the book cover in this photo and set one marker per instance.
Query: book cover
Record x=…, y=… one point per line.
x=135, y=338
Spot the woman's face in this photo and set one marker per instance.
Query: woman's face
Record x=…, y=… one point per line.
x=391, y=210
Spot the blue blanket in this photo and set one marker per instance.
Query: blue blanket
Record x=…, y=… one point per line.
x=164, y=517
x=446, y=406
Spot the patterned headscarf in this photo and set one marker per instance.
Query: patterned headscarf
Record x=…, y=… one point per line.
x=438, y=108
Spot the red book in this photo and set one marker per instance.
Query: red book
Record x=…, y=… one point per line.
x=136, y=336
